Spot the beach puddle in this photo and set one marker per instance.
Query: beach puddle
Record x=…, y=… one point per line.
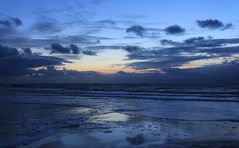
x=114, y=117
x=81, y=110
x=116, y=137
x=132, y=134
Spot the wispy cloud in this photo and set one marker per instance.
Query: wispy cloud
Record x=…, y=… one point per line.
x=197, y=48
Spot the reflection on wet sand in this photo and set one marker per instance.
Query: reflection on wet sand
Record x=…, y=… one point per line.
x=102, y=118
x=113, y=116
x=121, y=130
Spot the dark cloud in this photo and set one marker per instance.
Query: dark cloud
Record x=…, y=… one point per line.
x=225, y=73
x=169, y=42
x=75, y=49
x=19, y=62
x=165, y=62
x=213, y=24
x=201, y=42
x=17, y=21
x=11, y=22
x=131, y=49
x=197, y=48
x=8, y=27
x=194, y=40
x=89, y=52
x=187, y=42
x=72, y=49
x=5, y=22
x=51, y=74
x=8, y=51
x=22, y=65
x=138, y=30
x=227, y=26
x=141, y=31
x=215, y=74
x=174, y=29
x=127, y=48
x=57, y=48
x=27, y=51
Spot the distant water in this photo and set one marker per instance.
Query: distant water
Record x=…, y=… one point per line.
x=29, y=112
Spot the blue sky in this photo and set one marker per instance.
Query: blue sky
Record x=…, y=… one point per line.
x=118, y=39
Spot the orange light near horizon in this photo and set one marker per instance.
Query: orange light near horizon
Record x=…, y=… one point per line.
x=106, y=62
x=208, y=62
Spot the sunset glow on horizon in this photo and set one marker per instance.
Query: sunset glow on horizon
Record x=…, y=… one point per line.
x=136, y=39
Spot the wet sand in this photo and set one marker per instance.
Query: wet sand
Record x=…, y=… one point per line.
x=119, y=116
x=121, y=130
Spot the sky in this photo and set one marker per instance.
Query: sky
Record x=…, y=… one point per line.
x=119, y=41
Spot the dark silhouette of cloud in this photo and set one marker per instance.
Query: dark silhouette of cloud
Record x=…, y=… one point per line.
x=215, y=74
x=8, y=27
x=89, y=52
x=136, y=29
x=27, y=51
x=165, y=62
x=187, y=42
x=19, y=62
x=197, y=48
x=169, y=42
x=131, y=49
x=72, y=49
x=11, y=22
x=75, y=49
x=213, y=24
x=200, y=42
x=194, y=40
x=127, y=48
x=17, y=21
x=8, y=51
x=57, y=48
x=141, y=31
x=174, y=29
x=227, y=26
x=225, y=73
